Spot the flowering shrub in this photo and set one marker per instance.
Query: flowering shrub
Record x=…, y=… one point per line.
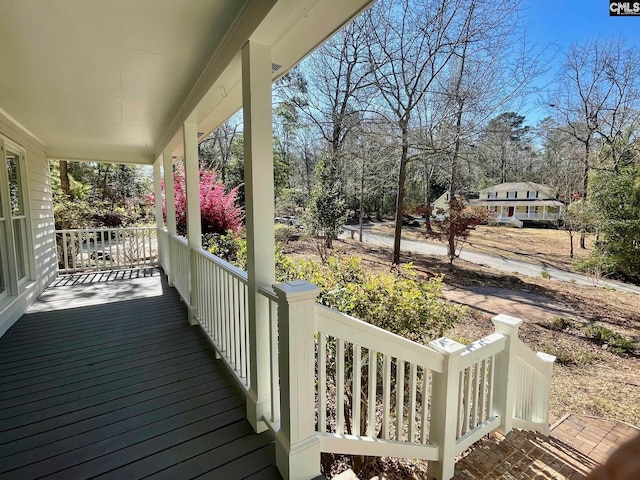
x=218, y=210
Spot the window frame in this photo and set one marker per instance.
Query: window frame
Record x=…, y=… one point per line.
x=14, y=285
x=509, y=195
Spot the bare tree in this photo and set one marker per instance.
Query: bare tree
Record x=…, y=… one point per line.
x=478, y=82
x=337, y=76
x=410, y=44
x=216, y=150
x=597, y=101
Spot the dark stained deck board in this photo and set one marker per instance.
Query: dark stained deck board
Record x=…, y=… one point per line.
x=105, y=378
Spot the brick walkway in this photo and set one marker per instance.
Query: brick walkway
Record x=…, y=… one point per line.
x=576, y=445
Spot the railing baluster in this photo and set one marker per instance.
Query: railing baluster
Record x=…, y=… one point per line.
x=322, y=382
x=491, y=384
x=373, y=380
x=356, y=388
x=119, y=237
x=477, y=397
x=399, y=399
x=236, y=322
x=243, y=332
x=64, y=252
x=413, y=388
x=468, y=398
x=484, y=391
x=275, y=383
x=340, y=386
x=229, y=316
x=246, y=329
x=144, y=246
x=459, y=428
x=425, y=406
x=386, y=402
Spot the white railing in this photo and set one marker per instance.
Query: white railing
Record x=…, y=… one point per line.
x=340, y=385
x=531, y=406
x=223, y=310
x=378, y=385
x=537, y=216
x=180, y=266
x=389, y=396
x=104, y=249
x=270, y=296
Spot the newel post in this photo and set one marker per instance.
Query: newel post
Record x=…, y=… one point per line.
x=504, y=393
x=297, y=445
x=444, y=408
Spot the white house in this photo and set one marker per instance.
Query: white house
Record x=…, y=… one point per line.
x=520, y=202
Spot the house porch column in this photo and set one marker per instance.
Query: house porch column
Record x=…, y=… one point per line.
x=157, y=195
x=170, y=202
x=259, y=198
x=194, y=225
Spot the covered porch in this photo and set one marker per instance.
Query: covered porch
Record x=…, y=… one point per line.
x=142, y=82
x=103, y=378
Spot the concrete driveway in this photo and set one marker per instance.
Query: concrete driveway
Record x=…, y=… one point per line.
x=500, y=263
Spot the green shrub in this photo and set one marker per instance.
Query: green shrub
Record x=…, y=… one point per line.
x=398, y=303
x=615, y=342
x=563, y=357
x=559, y=324
x=283, y=233
x=546, y=275
x=229, y=247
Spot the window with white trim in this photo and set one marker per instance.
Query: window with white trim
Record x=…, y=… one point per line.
x=18, y=213
x=512, y=194
x=14, y=225
x=533, y=194
x=492, y=195
x=3, y=249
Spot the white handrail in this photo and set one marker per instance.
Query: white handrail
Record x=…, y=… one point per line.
x=391, y=396
x=223, y=310
x=106, y=249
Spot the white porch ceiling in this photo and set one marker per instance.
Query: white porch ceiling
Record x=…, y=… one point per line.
x=113, y=80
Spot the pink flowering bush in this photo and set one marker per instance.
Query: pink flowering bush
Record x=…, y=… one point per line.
x=218, y=209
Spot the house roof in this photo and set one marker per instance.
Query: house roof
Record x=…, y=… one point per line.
x=518, y=186
x=114, y=80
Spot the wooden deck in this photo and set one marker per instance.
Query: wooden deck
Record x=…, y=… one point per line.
x=104, y=378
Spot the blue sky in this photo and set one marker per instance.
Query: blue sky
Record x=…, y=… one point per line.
x=561, y=23
x=567, y=21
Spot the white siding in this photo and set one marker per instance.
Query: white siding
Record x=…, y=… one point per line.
x=42, y=224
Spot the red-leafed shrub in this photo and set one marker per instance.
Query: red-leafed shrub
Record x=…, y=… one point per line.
x=218, y=210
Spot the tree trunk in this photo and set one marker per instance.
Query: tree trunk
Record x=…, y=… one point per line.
x=402, y=177
x=361, y=219
x=64, y=178
x=570, y=244
x=585, y=185
x=451, y=247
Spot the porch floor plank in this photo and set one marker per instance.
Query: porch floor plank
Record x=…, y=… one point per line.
x=104, y=378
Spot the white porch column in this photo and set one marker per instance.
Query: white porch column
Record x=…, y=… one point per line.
x=258, y=178
x=194, y=226
x=444, y=408
x=157, y=195
x=297, y=445
x=504, y=372
x=170, y=202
